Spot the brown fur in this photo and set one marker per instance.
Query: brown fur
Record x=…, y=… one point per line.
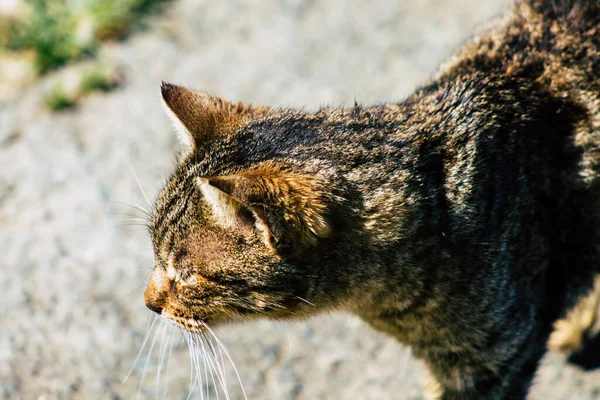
x=581, y=325
x=463, y=221
x=300, y=197
x=203, y=115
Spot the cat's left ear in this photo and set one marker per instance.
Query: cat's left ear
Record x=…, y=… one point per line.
x=201, y=117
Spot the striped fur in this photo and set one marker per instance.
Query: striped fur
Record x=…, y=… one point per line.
x=463, y=221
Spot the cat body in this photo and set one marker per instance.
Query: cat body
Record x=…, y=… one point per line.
x=463, y=221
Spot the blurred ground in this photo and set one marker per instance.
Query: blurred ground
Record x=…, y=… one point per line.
x=72, y=277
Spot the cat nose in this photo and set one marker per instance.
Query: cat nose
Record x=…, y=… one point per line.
x=157, y=292
x=154, y=308
x=154, y=299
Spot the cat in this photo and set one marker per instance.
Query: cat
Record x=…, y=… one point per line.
x=463, y=221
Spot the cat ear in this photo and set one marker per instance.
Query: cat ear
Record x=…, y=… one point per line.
x=196, y=115
x=293, y=206
x=232, y=212
x=199, y=116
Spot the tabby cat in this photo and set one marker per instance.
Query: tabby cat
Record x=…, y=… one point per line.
x=463, y=221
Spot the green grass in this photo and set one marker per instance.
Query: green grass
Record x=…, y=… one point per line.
x=95, y=78
x=116, y=18
x=59, y=31
x=59, y=100
x=98, y=79
x=49, y=33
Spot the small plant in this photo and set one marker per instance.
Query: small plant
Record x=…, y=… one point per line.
x=59, y=99
x=98, y=79
x=59, y=31
x=91, y=79
x=49, y=31
x=114, y=19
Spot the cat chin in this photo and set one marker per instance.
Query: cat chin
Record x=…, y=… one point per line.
x=198, y=325
x=195, y=324
x=188, y=324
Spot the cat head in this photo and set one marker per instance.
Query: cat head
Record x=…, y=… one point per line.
x=223, y=243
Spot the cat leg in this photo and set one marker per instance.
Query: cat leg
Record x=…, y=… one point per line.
x=461, y=380
x=578, y=334
x=432, y=389
x=485, y=386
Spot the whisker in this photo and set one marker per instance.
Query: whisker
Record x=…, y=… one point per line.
x=128, y=215
x=148, y=330
x=192, y=367
x=134, y=219
x=218, y=371
x=211, y=368
x=306, y=301
x=141, y=208
x=161, y=355
x=219, y=367
x=140, y=250
x=194, y=353
x=133, y=224
x=197, y=366
x=217, y=357
x=183, y=332
x=134, y=206
x=223, y=367
x=164, y=394
x=201, y=353
x=147, y=362
x=208, y=342
x=150, y=319
x=138, y=181
x=228, y=357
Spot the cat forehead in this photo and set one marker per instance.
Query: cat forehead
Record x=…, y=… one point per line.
x=170, y=209
x=188, y=203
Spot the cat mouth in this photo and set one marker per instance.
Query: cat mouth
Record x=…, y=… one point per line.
x=190, y=324
x=284, y=309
